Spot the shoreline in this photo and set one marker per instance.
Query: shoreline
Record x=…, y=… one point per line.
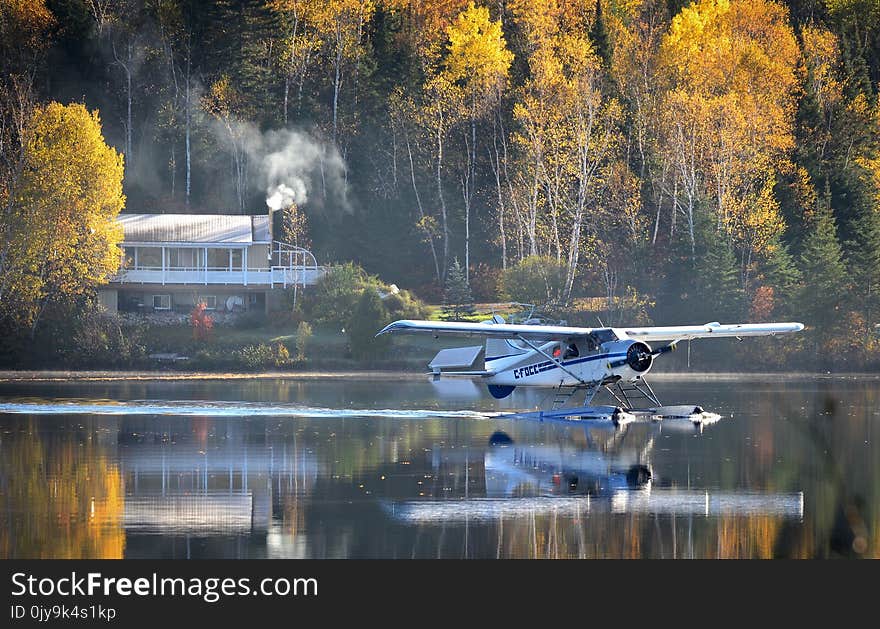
x=42, y=376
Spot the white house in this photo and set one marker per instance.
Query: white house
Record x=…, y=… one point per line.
x=173, y=261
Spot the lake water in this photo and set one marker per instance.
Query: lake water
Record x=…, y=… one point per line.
x=398, y=469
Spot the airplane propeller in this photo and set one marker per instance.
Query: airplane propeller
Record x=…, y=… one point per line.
x=639, y=356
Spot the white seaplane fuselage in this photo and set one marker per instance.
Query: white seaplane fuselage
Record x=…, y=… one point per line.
x=555, y=364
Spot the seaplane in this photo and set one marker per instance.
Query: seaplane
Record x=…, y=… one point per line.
x=574, y=361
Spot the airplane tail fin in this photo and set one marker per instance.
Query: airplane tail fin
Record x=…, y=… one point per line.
x=497, y=348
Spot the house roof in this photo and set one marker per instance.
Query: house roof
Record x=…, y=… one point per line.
x=196, y=228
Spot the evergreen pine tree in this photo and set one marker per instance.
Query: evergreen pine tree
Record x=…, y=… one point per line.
x=457, y=294
x=825, y=276
x=809, y=130
x=719, y=291
x=781, y=273
x=866, y=262
x=599, y=37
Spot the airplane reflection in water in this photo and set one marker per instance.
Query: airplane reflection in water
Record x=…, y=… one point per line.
x=607, y=473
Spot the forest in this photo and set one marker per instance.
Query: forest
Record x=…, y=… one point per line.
x=683, y=162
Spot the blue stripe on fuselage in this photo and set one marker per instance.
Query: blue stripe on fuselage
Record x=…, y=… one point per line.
x=576, y=361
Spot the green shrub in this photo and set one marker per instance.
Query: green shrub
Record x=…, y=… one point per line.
x=370, y=316
x=333, y=299
x=405, y=305
x=213, y=359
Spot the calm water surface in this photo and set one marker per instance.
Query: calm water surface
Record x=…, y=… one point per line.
x=367, y=468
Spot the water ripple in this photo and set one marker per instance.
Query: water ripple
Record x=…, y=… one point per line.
x=220, y=409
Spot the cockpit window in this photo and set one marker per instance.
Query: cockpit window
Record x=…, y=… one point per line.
x=571, y=352
x=605, y=335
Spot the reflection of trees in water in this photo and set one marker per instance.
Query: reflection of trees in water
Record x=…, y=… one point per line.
x=832, y=437
x=62, y=495
x=607, y=535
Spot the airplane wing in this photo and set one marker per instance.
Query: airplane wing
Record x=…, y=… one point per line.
x=486, y=330
x=561, y=332
x=711, y=330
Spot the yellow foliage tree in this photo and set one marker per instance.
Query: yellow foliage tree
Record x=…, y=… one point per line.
x=730, y=68
x=59, y=235
x=299, y=42
x=341, y=24
x=478, y=60
x=569, y=136
x=24, y=29
x=478, y=55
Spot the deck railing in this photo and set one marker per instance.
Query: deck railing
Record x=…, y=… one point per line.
x=283, y=276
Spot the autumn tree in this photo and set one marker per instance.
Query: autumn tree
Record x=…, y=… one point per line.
x=440, y=110
x=478, y=61
x=60, y=237
x=728, y=112
x=24, y=36
x=225, y=104
x=569, y=138
x=341, y=25
x=300, y=42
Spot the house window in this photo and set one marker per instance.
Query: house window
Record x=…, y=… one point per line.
x=210, y=301
x=161, y=302
x=149, y=257
x=186, y=258
x=218, y=259
x=235, y=259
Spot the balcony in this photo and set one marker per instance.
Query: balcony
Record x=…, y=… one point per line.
x=189, y=265
x=271, y=277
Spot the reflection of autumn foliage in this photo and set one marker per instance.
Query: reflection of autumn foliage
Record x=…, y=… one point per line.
x=752, y=537
x=605, y=535
x=61, y=500
x=202, y=322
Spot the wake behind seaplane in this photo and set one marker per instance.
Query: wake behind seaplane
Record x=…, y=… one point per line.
x=573, y=360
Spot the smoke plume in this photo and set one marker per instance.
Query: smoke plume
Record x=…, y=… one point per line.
x=294, y=167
